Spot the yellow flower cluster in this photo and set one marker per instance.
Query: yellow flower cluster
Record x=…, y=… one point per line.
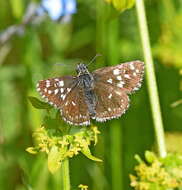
x=60, y=147
x=158, y=174
x=83, y=187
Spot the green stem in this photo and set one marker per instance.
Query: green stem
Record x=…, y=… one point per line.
x=151, y=80
x=65, y=178
x=116, y=128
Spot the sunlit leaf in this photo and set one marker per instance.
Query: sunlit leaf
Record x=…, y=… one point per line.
x=87, y=153
x=38, y=104
x=139, y=160
x=54, y=159
x=121, y=5
x=17, y=8
x=31, y=150
x=150, y=156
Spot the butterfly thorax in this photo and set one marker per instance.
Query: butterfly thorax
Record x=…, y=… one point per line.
x=86, y=82
x=85, y=78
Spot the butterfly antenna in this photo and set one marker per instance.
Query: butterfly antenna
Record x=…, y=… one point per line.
x=63, y=64
x=94, y=58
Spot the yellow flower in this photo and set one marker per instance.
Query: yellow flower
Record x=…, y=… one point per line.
x=83, y=187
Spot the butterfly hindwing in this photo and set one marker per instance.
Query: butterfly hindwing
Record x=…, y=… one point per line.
x=112, y=102
x=127, y=76
x=75, y=110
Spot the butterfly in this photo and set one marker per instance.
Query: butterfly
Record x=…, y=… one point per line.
x=100, y=95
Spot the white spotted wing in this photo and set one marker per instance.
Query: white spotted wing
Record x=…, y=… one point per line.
x=112, y=84
x=127, y=76
x=65, y=94
x=74, y=109
x=55, y=90
x=111, y=103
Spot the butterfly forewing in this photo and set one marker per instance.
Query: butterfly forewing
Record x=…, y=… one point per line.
x=65, y=94
x=55, y=90
x=126, y=76
x=112, y=102
x=74, y=110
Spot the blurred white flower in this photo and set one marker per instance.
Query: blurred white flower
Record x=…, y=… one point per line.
x=58, y=8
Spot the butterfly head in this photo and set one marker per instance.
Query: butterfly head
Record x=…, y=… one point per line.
x=82, y=69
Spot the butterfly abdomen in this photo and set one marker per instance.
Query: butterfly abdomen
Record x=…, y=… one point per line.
x=90, y=100
x=87, y=83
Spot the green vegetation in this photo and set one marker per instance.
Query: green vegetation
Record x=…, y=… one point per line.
x=111, y=29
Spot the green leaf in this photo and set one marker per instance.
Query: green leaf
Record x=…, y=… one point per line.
x=138, y=159
x=38, y=104
x=17, y=7
x=121, y=5
x=32, y=150
x=54, y=159
x=87, y=153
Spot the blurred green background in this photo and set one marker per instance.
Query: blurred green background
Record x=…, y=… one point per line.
x=95, y=28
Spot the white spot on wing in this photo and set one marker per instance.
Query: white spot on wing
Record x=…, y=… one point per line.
x=61, y=83
x=48, y=83
x=38, y=89
x=63, y=96
x=62, y=90
x=120, y=85
x=110, y=96
x=119, y=77
x=116, y=71
x=68, y=89
x=56, y=91
x=109, y=109
x=49, y=91
x=118, y=92
x=127, y=76
x=134, y=74
x=132, y=67
x=109, y=80
x=73, y=103
x=135, y=88
x=137, y=71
